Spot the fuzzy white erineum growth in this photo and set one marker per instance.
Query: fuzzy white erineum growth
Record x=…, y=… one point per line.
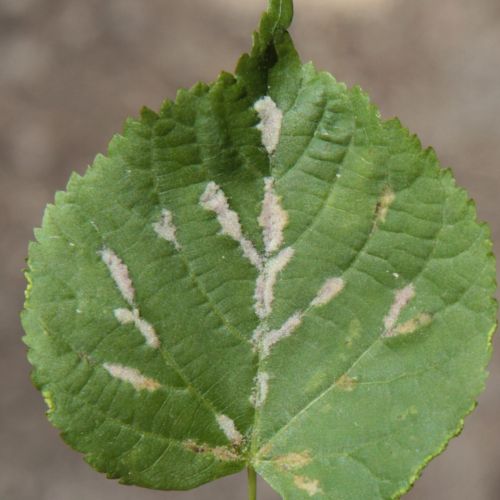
x=214, y=200
x=125, y=317
x=271, y=118
x=401, y=300
x=273, y=218
x=228, y=427
x=119, y=273
x=261, y=389
x=166, y=229
x=267, y=339
x=331, y=288
x=264, y=288
x=132, y=376
x=274, y=336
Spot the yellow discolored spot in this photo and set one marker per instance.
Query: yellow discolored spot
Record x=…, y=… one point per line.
x=318, y=380
x=326, y=409
x=354, y=332
x=49, y=401
x=346, y=383
x=310, y=486
x=413, y=324
x=409, y=412
x=222, y=453
x=292, y=461
x=385, y=201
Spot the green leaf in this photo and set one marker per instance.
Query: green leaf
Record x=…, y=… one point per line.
x=263, y=274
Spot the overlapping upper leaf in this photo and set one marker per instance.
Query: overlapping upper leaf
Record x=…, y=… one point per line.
x=263, y=273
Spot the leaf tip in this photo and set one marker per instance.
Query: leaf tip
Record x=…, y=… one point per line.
x=274, y=22
x=280, y=12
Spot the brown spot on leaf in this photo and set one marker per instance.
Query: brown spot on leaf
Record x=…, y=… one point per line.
x=346, y=383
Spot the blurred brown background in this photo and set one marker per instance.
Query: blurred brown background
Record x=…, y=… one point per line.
x=72, y=70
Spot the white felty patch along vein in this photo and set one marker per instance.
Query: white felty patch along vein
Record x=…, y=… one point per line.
x=273, y=218
x=270, y=338
x=271, y=119
x=132, y=376
x=119, y=273
x=331, y=288
x=228, y=427
x=266, y=281
x=266, y=339
x=125, y=317
x=260, y=390
x=213, y=199
x=401, y=300
x=165, y=228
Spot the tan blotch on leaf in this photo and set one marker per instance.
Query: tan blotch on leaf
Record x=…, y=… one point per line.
x=310, y=486
x=222, y=453
x=412, y=325
x=293, y=461
x=386, y=200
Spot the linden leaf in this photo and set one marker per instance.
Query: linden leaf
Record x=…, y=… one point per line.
x=263, y=274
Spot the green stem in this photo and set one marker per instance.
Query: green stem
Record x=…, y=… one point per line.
x=252, y=483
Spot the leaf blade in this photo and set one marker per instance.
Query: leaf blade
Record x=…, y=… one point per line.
x=305, y=319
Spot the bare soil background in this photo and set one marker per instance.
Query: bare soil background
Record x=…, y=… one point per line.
x=72, y=70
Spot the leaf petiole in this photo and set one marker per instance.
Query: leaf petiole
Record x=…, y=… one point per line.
x=252, y=484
